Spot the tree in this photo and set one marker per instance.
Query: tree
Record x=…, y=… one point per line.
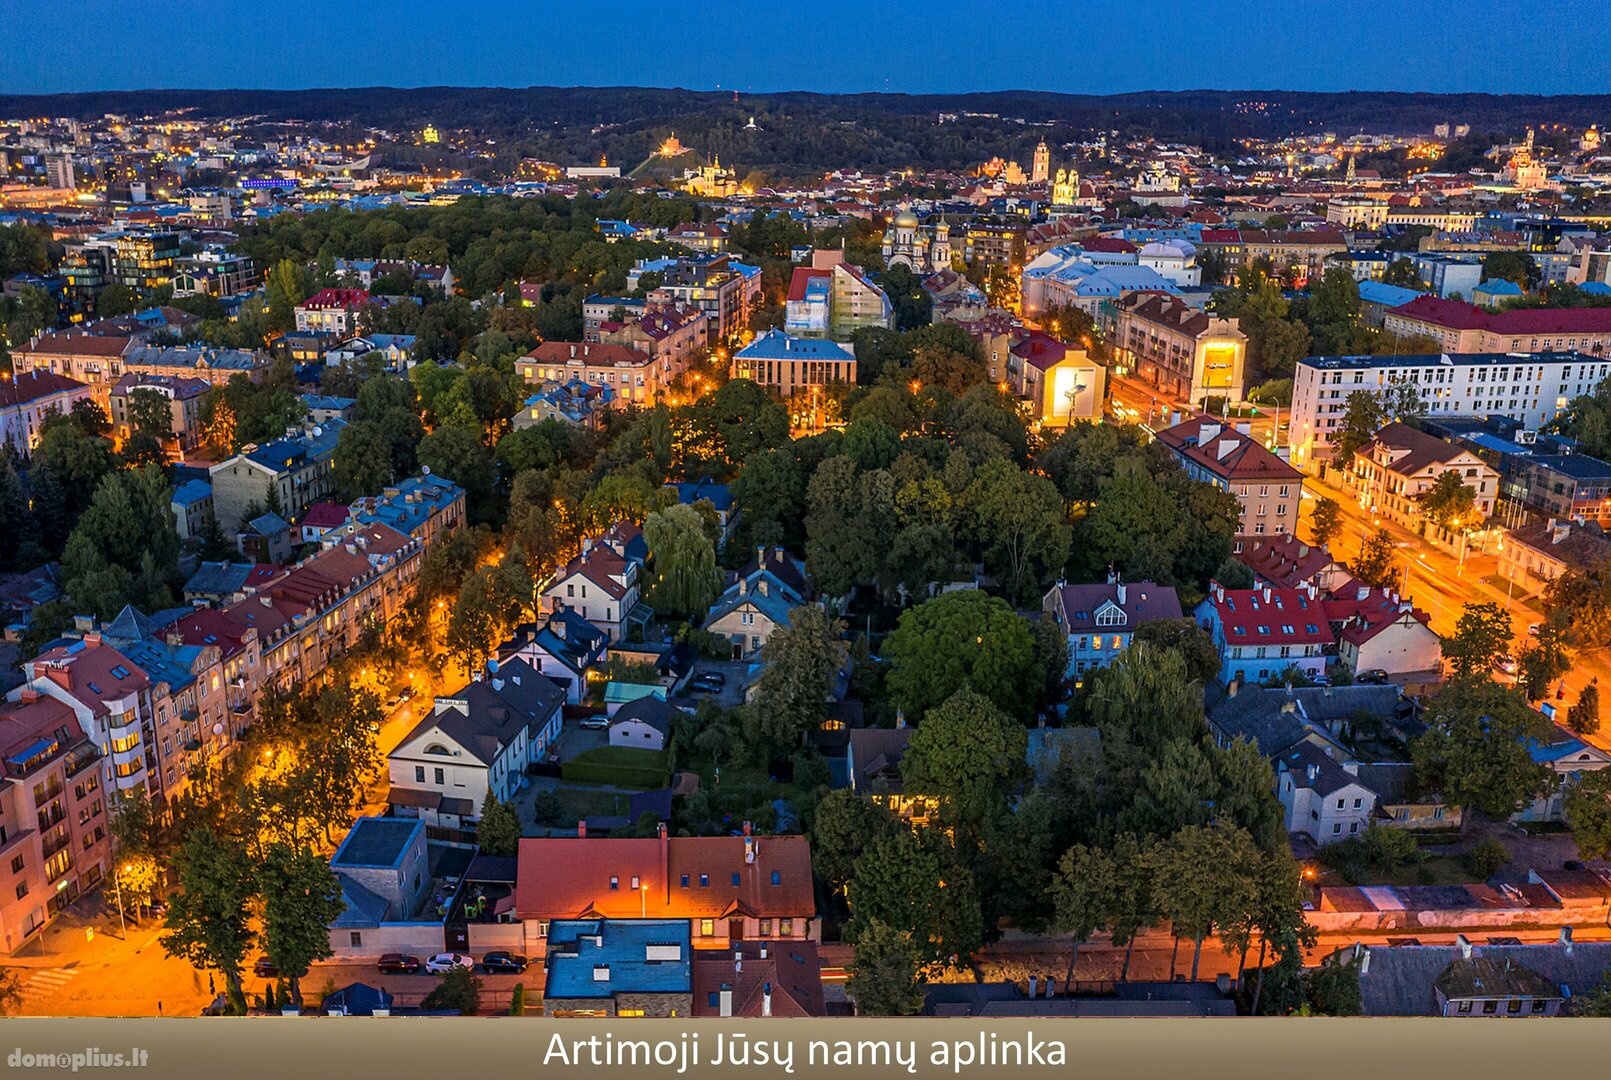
x=913, y=881
x=841, y=828
x=301, y=898
x=362, y=462
x=968, y=754
x=209, y=918
x=1481, y=636
x=517, y=1000
x=1596, y=1002
x=1018, y=520
x=1401, y=272
x=886, y=974
x=1474, y=750
x=962, y=640
x=1545, y=662
x=498, y=831
x=1206, y=877
x=1588, y=811
x=1084, y=894
x=1146, y=699
x=1377, y=565
x=1449, y=503
x=685, y=580
x=10, y=991
x=1325, y=521
x=1051, y=661
x=457, y=990
x=1513, y=266
x=801, y=662
x=1334, y=987
x=1363, y=416
x=1583, y=718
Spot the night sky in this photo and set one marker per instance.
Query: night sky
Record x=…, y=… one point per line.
x=830, y=45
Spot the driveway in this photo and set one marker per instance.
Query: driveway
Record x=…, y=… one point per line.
x=734, y=671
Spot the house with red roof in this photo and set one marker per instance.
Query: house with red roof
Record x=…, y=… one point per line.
x=1378, y=630
x=759, y=978
x=729, y=889
x=1286, y=562
x=632, y=373
x=1061, y=384
x=603, y=584
x=30, y=398
x=1177, y=348
x=1262, y=633
x=321, y=518
x=332, y=311
x=1267, y=488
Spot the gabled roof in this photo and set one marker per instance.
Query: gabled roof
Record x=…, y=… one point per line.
x=650, y=710
x=30, y=386
x=1143, y=602
x=1223, y=451
x=1270, y=616
x=487, y=715
x=1329, y=777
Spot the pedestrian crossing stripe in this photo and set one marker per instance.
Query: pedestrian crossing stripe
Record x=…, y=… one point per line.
x=47, y=980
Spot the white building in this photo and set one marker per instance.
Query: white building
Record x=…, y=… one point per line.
x=1321, y=798
x=1530, y=387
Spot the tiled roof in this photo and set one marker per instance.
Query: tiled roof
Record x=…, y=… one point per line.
x=30, y=386
x=1458, y=315
x=1143, y=602
x=1225, y=452
x=1270, y=616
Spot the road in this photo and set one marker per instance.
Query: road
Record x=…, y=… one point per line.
x=1433, y=578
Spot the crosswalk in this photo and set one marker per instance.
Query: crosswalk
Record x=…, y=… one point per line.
x=45, y=983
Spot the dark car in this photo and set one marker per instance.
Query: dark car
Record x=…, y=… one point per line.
x=265, y=970
x=714, y=679
x=504, y=963
x=396, y=963
x=1373, y=677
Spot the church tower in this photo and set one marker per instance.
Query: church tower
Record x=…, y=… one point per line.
x=1041, y=170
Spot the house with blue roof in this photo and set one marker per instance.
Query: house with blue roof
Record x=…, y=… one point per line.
x=1569, y=758
x=1495, y=292
x=1377, y=298
x=192, y=506
x=393, y=888
x=565, y=648
x=720, y=497
x=751, y=610
x=424, y=507
x=610, y=967
x=293, y=472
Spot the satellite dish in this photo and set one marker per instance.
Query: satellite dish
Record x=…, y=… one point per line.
x=218, y=729
x=317, y=431
x=425, y=470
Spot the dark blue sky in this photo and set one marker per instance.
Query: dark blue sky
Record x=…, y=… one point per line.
x=832, y=45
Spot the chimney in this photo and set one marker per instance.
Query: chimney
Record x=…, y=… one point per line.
x=760, y=556
x=1034, y=986
x=581, y=828
x=763, y=950
x=766, y=999
x=900, y=718
x=1267, y=594
x=1051, y=985
x=1465, y=946
x=751, y=850
x=1234, y=687
x=748, y=828
x=1312, y=771
x=1363, y=953
x=1566, y=939
x=726, y=1000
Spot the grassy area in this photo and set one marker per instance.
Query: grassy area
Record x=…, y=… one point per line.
x=619, y=766
x=582, y=802
x=1433, y=870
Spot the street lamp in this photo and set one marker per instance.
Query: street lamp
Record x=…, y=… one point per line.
x=643, y=901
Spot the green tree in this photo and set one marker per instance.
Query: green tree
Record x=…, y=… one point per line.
x=1334, y=987
x=968, y=754
x=362, y=463
x=1325, y=520
x=1377, y=565
x=1481, y=636
x=1363, y=416
x=801, y=662
x=684, y=580
x=886, y=974
x=1513, y=266
x=1018, y=520
x=962, y=640
x=209, y=918
x=301, y=898
x=456, y=990
x=1401, y=272
x=1474, y=750
x=913, y=881
x=517, y=1000
x=841, y=828
x=1449, y=503
x=1085, y=893
x=1588, y=811
x=1583, y=718
x=1206, y=877
x=498, y=830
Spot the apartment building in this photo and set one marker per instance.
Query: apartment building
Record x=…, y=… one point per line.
x=332, y=311
x=1182, y=351
x=1401, y=464
x=32, y=397
x=1267, y=489
x=184, y=397
x=725, y=290
x=1060, y=384
x=671, y=337
x=1530, y=388
x=54, y=816
x=1260, y=633
x=297, y=469
x=1459, y=327
x=1298, y=255
x=635, y=377
x=833, y=299
x=790, y=365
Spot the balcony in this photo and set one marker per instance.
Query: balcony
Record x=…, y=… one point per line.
x=51, y=815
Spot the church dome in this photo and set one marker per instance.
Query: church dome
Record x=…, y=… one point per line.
x=906, y=220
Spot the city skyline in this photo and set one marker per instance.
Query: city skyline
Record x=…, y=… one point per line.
x=1323, y=47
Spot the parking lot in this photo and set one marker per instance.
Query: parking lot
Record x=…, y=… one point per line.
x=732, y=694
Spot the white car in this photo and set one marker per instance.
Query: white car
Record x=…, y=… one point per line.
x=1507, y=664
x=447, y=961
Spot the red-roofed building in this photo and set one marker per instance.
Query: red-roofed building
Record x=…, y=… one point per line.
x=759, y=978
x=1262, y=632
x=729, y=888
x=1267, y=488
x=29, y=398
x=631, y=373
x=87, y=358
x=1177, y=348
x=1061, y=384
x=333, y=311
x=321, y=518
x=1377, y=630
x=1298, y=256
x=670, y=336
x=1286, y=562
x=1460, y=327
x=701, y=236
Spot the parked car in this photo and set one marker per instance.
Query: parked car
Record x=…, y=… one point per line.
x=265, y=970
x=1507, y=664
x=595, y=723
x=396, y=963
x=1534, y=628
x=1372, y=677
x=447, y=961
x=503, y=963
x=713, y=679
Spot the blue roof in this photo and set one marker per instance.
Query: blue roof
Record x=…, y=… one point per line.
x=718, y=494
x=1376, y=292
x=328, y=401
x=775, y=603
x=1499, y=287
x=377, y=842
x=410, y=503
x=191, y=492
x=1595, y=288
x=776, y=345
x=597, y=958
